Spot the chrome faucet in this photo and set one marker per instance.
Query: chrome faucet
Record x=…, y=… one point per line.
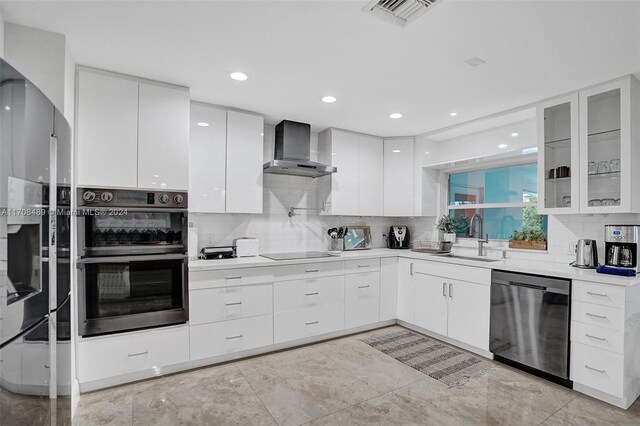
x=481, y=242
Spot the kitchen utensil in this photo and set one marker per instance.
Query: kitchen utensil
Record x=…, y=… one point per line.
x=586, y=254
x=333, y=232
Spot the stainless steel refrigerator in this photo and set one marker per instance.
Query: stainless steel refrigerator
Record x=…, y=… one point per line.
x=35, y=177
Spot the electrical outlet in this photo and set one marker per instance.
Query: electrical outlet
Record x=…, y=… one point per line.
x=210, y=239
x=572, y=247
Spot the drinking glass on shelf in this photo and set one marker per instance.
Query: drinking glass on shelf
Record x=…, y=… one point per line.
x=608, y=202
x=595, y=202
x=615, y=165
x=616, y=201
x=604, y=167
x=567, y=200
x=593, y=168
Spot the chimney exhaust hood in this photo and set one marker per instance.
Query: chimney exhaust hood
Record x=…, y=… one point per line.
x=293, y=152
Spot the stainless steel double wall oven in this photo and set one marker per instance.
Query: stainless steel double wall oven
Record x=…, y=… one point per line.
x=133, y=259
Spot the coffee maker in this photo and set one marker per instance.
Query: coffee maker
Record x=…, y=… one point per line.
x=621, y=246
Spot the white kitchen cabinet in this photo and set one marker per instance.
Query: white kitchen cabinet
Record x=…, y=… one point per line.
x=339, y=190
x=430, y=302
x=227, y=303
x=244, y=162
x=107, y=125
x=131, y=133
x=468, y=312
x=406, y=291
x=398, y=177
x=558, y=147
x=207, y=159
x=163, y=137
x=388, y=288
x=370, y=176
x=362, y=299
x=309, y=322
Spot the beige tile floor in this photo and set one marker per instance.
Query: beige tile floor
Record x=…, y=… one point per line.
x=342, y=382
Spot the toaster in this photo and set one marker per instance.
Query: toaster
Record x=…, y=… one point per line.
x=246, y=247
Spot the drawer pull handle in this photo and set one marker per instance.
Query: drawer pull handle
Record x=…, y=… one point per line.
x=311, y=270
x=364, y=266
x=234, y=337
x=450, y=290
x=444, y=289
x=596, y=315
x=139, y=353
x=233, y=303
x=364, y=286
x=234, y=278
x=595, y=337
x=597, y=294
x=315, y=293
x=594, y=369
x=312, y=322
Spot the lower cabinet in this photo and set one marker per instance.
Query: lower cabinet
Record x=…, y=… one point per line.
x=301, y=323
x=220, y=338
x=433, y=300
x=116, y=355
x=362, y=299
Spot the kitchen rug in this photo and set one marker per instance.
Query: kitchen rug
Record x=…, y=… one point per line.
x=443, y=362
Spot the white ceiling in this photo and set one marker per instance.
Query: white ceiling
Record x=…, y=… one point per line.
x=297, y=51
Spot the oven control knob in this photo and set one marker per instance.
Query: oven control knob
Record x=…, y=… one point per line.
x=89, y=196
x=178, y=199
x=163, y=198
x=106, y=196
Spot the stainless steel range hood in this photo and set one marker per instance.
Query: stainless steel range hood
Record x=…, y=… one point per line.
x=293, y=152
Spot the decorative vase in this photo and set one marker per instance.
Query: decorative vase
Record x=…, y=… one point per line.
x=451, y=237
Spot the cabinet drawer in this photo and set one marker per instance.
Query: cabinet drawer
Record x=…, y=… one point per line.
x=454, y=272
x=604, y=316
x=309, y=322
x=219, y=338
x=103, y=357
x=601, y=294
x=597, y=336
x=362, y=299
x=229, y=277
x=361, y=266
x=308, y=270
x=597, y=368
x=312, y=292
x=225, y=303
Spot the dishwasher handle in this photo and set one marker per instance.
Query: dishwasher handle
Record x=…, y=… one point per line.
x=543, y=288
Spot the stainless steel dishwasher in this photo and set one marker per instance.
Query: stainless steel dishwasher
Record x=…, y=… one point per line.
x=530, y=317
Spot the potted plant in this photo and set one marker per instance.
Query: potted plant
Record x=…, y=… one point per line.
x=445, y=228
x=530, y=239
x=460, y=225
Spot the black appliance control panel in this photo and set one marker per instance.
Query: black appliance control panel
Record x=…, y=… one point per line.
x=122, y=198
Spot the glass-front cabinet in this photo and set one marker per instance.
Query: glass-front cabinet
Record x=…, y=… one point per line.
x=558, y=156
x=605, y=148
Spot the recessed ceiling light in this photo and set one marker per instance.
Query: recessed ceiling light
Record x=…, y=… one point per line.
x=156, y=176
x=239, y=76
x=453, y=114
x=203, y=124
x=329, y=99
x=515, y=134
x=261, y=134
x=395, y=115
x=475, y=61
x=7, y=107
x=427, y=152
x=396, y=150
x=503, y=146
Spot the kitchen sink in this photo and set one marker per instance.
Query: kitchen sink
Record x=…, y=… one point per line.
x=476, y=258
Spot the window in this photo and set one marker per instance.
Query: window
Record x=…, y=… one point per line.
x=505, y=198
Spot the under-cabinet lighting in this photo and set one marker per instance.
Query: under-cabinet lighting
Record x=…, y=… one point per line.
x=238, y=76
x=329, y=99
x=515, y=134
x=396, y=150
x=453, y=114
x=503, y=146
x=395, y=115
x=203, y=124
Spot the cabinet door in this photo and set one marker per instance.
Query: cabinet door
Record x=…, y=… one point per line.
x=244, y=162
x=207, y=159
x=398, y=177
x=362, y=299
x=344, y=184
x=430, y=302
x=558, y=156
x=605, y=149
x=107, y=131
x=388, y=288
x=370, y=176
x=405, y=290
x=163, y=137
x=469, y=306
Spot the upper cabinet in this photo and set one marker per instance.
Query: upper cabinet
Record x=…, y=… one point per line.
x=225, y=161
x=131, y=134
x=609, y=151
x=587, y=145
x=356, y=188
x=398, y=177
x=558, y=156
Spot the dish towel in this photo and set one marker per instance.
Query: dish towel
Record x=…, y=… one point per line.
x=616, y=271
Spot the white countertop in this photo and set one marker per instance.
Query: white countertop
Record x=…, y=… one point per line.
x=529, y=267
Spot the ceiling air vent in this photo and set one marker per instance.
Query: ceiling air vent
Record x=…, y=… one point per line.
x=400, y=12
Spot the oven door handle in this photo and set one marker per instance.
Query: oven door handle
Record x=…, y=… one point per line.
x=127, y=259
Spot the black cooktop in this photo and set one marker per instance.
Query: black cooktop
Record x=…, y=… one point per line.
x=298, y=255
